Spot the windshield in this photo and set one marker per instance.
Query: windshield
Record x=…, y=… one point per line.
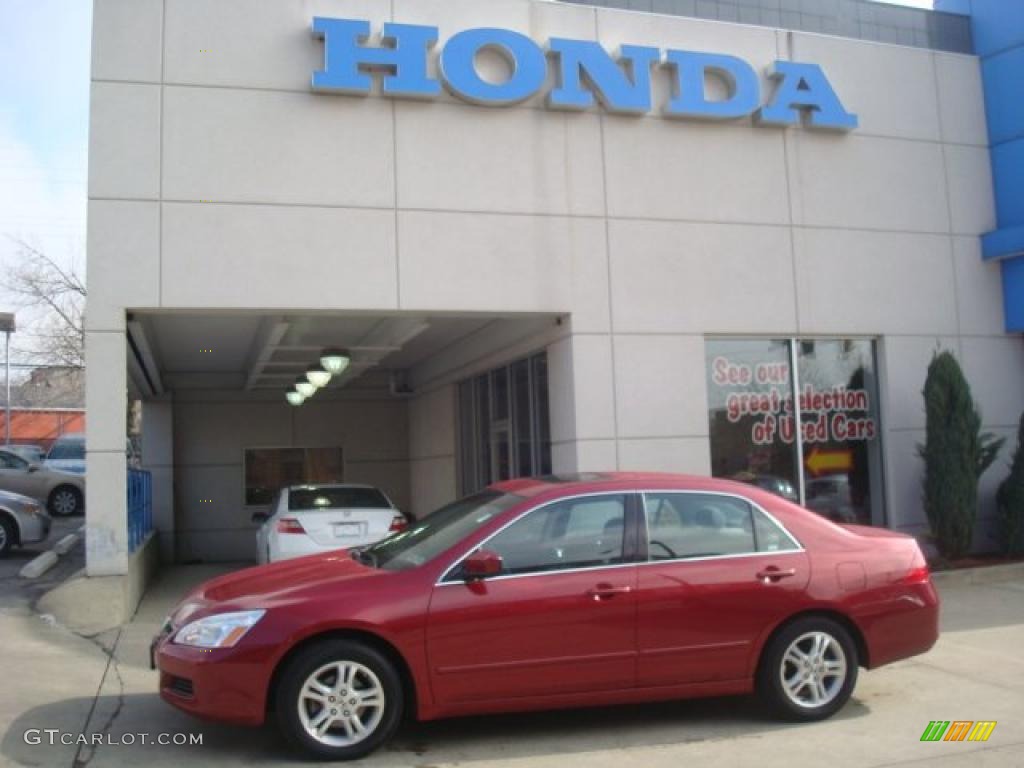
x=429, y=537
x=68, y=449
x=336, y=498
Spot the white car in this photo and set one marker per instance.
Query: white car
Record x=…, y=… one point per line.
x=308, y=519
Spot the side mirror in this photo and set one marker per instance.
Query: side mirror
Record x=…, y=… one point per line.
x=260, y=517
x=34, y=467
x=481, y=564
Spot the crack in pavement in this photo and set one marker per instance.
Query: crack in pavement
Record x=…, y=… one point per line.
x=86, y=752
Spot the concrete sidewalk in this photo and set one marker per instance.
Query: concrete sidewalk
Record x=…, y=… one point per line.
x=54, y=679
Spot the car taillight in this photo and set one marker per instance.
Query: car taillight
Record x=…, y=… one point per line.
x=919, y=575
x=289, y=525
x=398, y=524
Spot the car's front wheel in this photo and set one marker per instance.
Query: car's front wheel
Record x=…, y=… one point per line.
x=339, y=700
x=7, y=534
x=808, y=670
x=64, y=501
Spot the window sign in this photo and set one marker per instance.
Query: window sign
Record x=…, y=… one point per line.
x=821, y=445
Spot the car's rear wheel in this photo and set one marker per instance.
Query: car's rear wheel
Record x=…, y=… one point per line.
x=808, y=670
x=339, y=700
x=64, y=501
x=7, y=536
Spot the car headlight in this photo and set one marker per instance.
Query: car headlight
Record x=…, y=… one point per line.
x=221, y=630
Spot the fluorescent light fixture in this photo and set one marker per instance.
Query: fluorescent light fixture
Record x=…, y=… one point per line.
x=293, y=397
x=335, y=361
x=317, y=376
x=304, y=388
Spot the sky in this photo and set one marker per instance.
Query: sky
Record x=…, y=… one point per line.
x=44, y=126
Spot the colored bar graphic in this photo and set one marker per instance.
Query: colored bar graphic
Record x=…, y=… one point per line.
x=982, y=730
x=958, y=730
x=934, y=730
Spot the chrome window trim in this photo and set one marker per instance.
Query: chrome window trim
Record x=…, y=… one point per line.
x=458, y=560
x=642, y=493
x=753, y=504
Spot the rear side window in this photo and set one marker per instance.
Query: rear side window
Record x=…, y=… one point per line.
x=336, y=498
x=690, y=525
x=577, y=533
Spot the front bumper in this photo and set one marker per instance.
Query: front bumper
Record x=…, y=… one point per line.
x=34, y=528
x=226, y=685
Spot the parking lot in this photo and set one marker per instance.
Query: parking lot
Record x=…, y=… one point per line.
x=57, y=680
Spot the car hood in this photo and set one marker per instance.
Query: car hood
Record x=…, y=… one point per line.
x=287, y=579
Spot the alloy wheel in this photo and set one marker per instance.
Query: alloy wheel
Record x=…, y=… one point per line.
x=65, y=502
x=341, y=703
x=813, y=670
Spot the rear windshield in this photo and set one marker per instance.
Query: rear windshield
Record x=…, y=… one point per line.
x=336, y=498
x=68, y=449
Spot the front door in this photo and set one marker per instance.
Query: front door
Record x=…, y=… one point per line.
x=720, y=573
x=16, y=477
x=559, y=619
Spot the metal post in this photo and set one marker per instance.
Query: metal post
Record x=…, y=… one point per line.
x=7, y=325
x=7, y=377
x=794, y=361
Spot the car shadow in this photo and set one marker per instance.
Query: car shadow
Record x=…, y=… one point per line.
x=468, y=739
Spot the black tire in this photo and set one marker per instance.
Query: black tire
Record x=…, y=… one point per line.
x=773, y=692
x=307, y=662
x=8, y=535
x=58, y=501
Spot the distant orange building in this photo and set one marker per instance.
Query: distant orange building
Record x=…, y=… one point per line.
x=41, y=426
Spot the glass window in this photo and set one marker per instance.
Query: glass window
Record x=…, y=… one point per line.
x=10, y=461
x=577, y=533
x=337, y=498
x=681, y=525
x=751, y=431
x=267, y=470
x=752, y=422
x=437, y=532
x=768, y=536
x=503, y=424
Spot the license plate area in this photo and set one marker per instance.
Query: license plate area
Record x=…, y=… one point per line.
x=348, y=530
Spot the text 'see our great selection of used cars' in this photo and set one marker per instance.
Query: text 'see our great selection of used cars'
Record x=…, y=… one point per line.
x=548, y=593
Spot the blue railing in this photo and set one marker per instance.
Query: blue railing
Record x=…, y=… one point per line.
x=140, y=507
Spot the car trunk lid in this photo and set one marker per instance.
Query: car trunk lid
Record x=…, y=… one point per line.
x=344, y=526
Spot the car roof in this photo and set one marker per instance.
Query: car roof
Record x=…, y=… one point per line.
x=588, y=482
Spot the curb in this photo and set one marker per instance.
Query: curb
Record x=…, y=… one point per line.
x=987, y=574
x=66, y=544
x=37, y=566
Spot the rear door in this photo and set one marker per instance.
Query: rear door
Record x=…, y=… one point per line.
x=720, y=572
x=560, y=619
x=15, y=477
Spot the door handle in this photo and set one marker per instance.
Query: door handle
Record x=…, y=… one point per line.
x=772, y=574
x=606, y=591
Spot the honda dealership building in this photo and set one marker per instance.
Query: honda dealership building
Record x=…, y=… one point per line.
x=718, y=237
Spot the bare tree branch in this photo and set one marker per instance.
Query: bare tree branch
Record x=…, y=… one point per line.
x=38, y=282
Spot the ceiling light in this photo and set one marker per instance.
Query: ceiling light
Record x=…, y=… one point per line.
x=293, y=397
x=304, y=388
x=317, y=376
x=335, y=361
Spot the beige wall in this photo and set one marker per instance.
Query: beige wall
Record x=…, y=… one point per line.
x=211, y=158
x=212, y=429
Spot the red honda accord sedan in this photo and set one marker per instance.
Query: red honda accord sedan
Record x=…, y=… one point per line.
x=554, y=592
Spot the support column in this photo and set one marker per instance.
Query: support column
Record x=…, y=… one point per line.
x=582, y=395
x=106, y=488
x=158, y=459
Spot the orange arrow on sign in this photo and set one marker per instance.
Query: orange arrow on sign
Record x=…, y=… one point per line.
x=824, y=462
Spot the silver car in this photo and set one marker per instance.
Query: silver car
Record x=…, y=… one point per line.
x=22, y=521
x=63, y=493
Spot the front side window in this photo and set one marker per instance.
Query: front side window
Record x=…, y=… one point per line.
x=576, y=533
x=10, y=461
